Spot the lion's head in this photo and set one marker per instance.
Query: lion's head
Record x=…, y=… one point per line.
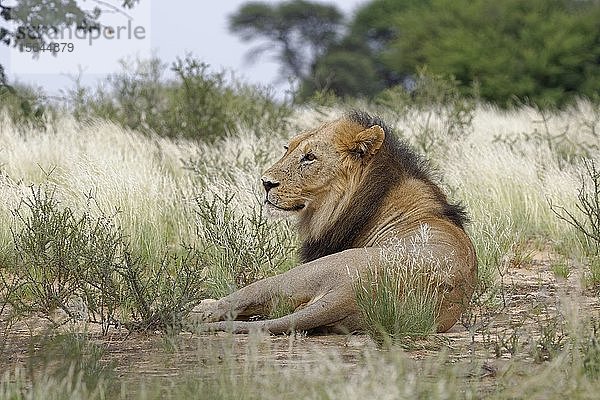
x=319, y=165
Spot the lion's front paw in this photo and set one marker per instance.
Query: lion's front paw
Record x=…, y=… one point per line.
x=206, y=311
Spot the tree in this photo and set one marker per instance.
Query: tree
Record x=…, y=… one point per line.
x=32, y=22
x=347, y=69
x=374, y=21
x=298, y=32
x=354, y=66
x=541, y=51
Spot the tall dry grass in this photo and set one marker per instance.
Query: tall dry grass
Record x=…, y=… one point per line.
x=505, y=167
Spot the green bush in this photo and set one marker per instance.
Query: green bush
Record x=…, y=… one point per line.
x=197, y=104
x=539, y=51
x=83, y=265
x=132, y=97
x=240, y=249
x=26, y=107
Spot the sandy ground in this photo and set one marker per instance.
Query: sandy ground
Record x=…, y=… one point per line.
x=532, y=300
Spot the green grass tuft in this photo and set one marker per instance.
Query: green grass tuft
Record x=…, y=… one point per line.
x=399, y=297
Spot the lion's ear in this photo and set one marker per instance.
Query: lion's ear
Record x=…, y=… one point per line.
x=367, y=142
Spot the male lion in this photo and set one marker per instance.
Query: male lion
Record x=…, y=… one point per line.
x=354, y=189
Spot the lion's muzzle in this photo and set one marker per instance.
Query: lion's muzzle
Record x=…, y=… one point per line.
x=268, y=183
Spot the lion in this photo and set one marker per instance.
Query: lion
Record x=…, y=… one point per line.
x=353, y=188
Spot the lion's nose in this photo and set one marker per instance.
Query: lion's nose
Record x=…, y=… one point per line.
x=268, y=183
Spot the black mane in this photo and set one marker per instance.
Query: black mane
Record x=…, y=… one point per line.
x=396, y=161
x=402, y=154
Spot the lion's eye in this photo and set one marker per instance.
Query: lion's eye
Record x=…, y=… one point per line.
x=286, y=148
x=309, y=157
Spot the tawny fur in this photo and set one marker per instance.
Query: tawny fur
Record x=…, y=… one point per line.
x=354, y=189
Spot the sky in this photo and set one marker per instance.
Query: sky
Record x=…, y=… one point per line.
x=166, y=29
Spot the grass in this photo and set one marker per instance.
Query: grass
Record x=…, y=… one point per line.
x=561, y=270
x=399, y=299
x=587, y=222
x=178, y=207
x=322, y=375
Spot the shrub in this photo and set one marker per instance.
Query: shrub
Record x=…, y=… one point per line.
x=240, y=249
x=214, y=107
x=197, y=104
x=587, y=218
x=159, y=297
x=83, y=265
x=133, y=97
x=9, y=288
x=26, y=107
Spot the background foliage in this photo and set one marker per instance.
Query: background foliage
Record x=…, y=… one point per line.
x=198, y=104
x=541, y=52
